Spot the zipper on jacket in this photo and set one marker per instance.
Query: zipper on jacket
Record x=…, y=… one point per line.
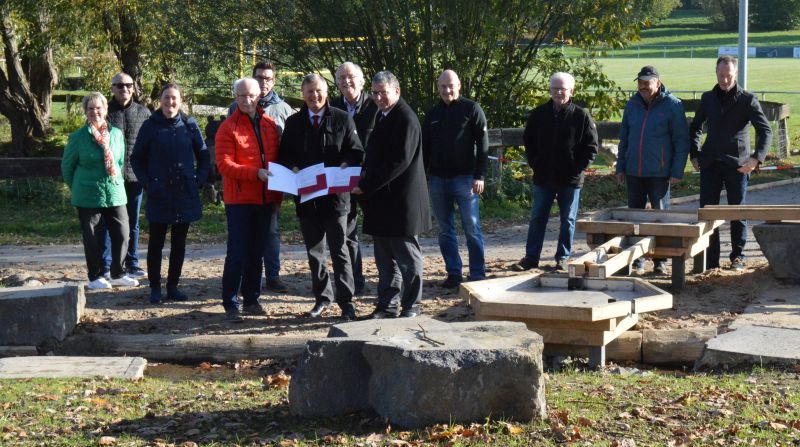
x=641, y=139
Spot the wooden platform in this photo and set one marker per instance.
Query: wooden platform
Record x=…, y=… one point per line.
x=678, y=234
x=592, y=317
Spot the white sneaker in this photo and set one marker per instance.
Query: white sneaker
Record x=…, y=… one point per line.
x=124, y=281
x=99, y=283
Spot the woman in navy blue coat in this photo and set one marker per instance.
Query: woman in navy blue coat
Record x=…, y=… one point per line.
x=171, y=160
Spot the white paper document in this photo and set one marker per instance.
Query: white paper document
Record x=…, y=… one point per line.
x=306, y=181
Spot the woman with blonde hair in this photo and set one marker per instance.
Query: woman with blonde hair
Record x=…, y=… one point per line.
x=92, y=168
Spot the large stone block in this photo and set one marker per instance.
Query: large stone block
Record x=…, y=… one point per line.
x=34, y=315
x=780, y=245
x=421, y=371
x=331, y=378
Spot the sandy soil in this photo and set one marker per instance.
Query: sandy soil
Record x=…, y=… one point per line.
x=713, y=298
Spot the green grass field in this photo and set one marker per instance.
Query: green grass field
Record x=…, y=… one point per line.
x=688, y=33
x=685, y=76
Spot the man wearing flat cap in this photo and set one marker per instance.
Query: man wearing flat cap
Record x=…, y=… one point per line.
x=653, y=148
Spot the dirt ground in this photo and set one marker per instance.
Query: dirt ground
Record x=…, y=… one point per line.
x=713, y=298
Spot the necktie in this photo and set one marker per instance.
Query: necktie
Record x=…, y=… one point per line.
x=315, y=121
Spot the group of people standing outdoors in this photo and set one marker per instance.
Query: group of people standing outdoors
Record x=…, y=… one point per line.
x=408, y=169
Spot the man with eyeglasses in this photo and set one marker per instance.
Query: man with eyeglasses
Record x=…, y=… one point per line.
x=394, y=196
x=455, y=143
x=276, y=108
x=245, y=144
x=355, y=101
x=560, y=143
x=127, y=115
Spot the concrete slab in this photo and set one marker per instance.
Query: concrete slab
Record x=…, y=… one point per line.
x=777, y=306
x=63, y=367
x=752, y=345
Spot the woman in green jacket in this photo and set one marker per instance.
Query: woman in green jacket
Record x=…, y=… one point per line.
x=92, y=167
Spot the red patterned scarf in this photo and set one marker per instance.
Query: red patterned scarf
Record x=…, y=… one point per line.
x=102, y=137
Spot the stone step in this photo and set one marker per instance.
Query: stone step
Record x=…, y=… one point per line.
x=64, y=367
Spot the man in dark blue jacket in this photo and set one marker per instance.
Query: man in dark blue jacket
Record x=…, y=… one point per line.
x=653, y=147
x=725, y=158
x=455, y=143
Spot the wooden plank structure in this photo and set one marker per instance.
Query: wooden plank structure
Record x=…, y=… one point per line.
x=767, y=213
x=679, y=235
x=593, y=316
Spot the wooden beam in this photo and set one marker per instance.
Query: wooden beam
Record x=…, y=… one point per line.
x=584, y=337
x=577, y=265
x=188, y=348
x=621, y=260
x=602, y=325
x=606, y=227
x=12, y=168
x=555, y=311
x=750, y=212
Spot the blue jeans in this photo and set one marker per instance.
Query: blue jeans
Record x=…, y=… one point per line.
x=568, y=198
x=272, y=249
x=648, y=189
x=246, y=240
x=712, y=179
x=134, y=192
x=444, y=193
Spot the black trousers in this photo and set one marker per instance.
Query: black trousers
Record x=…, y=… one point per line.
x=399, y=262
x=177, y=252
x=116, y=220
x=316, y=231
x=354, y=244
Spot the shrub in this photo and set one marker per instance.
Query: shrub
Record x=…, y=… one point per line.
x=775, y=14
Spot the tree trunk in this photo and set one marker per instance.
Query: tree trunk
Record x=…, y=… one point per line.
x=125, y=37
x=42, y=69
x=17, y=101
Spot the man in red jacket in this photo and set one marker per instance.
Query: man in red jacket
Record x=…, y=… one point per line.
x=245, y=143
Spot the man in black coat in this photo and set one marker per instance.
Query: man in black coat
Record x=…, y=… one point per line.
x=356, y=102
x=127, y=115
x=322, y=134
x=560, y=143
x=725, y=158
x=394, y=196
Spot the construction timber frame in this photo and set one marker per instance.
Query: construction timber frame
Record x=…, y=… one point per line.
x=631, y=233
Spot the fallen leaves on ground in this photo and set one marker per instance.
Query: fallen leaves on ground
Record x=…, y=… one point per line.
x=279, y=380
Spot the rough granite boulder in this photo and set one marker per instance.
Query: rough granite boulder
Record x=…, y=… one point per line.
x=32, y=316
x=419, y=371
x=780, y=245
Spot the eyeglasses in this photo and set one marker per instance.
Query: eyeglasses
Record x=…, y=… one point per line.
x=265, y=79
x=121, y=85
x=247, y=96
x=381, y=93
